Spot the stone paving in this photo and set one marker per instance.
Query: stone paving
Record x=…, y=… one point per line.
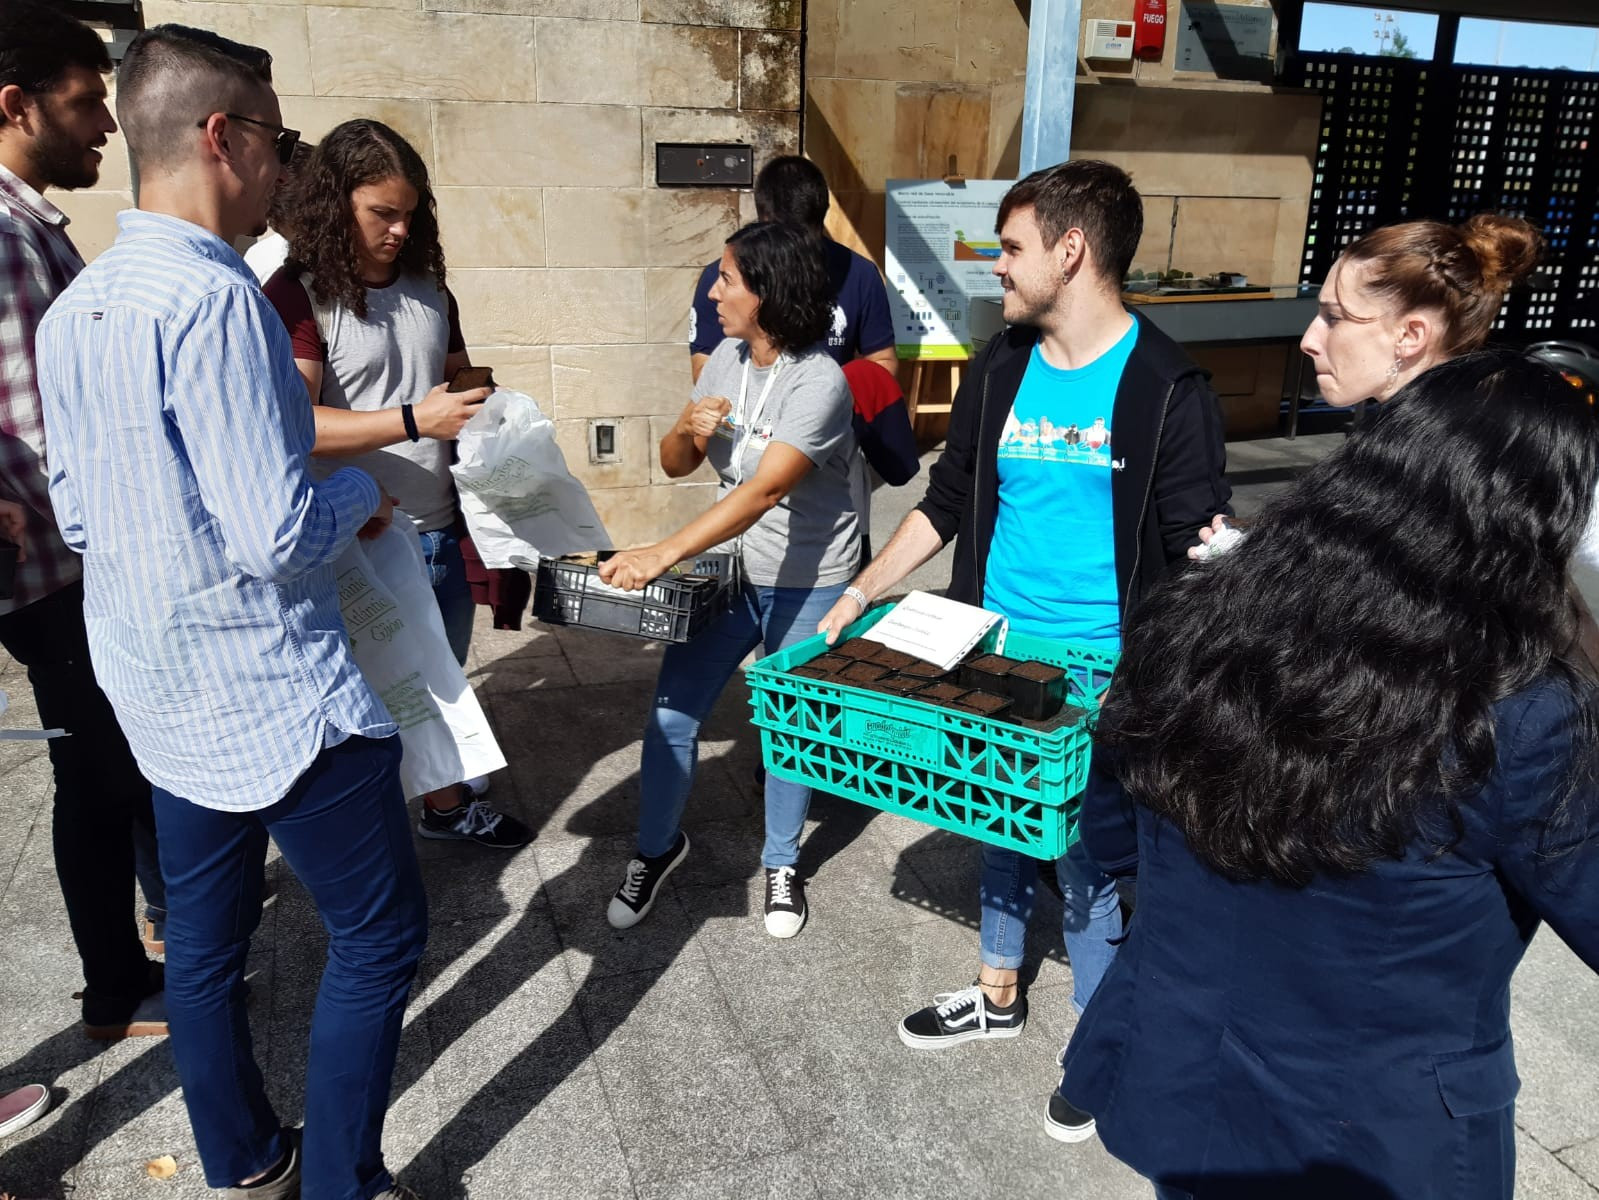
x=546, y=1054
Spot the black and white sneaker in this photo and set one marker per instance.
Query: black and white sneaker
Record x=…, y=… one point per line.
x=1065, y=1122
x=474, y=821
x=642, y=883
x=956, y=1017
x=785, y=902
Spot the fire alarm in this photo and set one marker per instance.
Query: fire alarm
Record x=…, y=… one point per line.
x=1149, y=41
x=1110, y=40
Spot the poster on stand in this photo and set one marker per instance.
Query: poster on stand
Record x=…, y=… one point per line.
x=939, y=254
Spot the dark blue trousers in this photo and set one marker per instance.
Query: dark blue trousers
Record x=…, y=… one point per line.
x=343, y=830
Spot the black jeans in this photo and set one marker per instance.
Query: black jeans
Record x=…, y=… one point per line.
x=99, y=796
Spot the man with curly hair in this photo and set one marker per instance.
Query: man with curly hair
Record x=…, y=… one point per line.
x=374, y=328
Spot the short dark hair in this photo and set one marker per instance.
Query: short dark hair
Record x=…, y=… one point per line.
x=793, y=190
x=173, y=76
x=783, y=265
x=1088, y=194
x=39, y=43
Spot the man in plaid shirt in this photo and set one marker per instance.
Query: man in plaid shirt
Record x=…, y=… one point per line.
x=53, y=118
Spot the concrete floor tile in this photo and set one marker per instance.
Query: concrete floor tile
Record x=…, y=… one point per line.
x=1553, y=998
x=1583, y=1158
x=507, y=1145
x=518, y=676
x=43, y=1159
x=1541, y=1175
x=598, y=658
x=776, y=1177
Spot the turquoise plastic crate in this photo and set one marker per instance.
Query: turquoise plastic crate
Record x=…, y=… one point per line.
x=991, y=780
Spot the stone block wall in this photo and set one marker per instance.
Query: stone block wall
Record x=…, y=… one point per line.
x=538, y=120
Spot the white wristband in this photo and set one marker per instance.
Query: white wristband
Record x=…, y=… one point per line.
x=855, y=594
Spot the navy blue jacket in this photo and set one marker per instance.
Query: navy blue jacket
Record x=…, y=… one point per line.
x=1350, y=1039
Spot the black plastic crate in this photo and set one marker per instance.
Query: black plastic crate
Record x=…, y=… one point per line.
x=673, y=608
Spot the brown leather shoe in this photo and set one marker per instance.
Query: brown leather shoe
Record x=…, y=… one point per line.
x=148, y=1020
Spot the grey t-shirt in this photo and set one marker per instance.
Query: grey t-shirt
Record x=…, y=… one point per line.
x=812, y=537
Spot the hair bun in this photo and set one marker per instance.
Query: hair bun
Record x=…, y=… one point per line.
x=1507, y=249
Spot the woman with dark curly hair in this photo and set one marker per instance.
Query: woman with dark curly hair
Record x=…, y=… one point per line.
x=1361, y=766
x=783, y=451
x=376, y=334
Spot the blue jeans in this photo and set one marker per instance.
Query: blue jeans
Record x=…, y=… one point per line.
x=1092, y=916
x=344, y=831
x=441, y=550
x=692, y=677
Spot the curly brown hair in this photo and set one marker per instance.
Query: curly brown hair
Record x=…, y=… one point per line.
x=323, y=234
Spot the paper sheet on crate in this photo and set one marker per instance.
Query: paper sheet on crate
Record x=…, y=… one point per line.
x=932, y=628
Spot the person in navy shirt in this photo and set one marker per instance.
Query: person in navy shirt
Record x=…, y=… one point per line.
x=793, y=190
x=1355, y=759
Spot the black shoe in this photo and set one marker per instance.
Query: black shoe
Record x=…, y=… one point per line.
x=785, y=902
x=963, y=1016
x=111, y=1017
x=474, y=821
x=1065, y=1122
x=642, y=883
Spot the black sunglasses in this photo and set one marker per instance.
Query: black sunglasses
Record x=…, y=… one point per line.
x=284, y=140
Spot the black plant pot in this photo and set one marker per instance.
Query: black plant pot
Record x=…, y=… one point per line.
x=1038, y=689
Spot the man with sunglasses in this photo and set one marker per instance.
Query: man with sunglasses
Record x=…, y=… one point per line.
x=179, y=444
x=53, y=121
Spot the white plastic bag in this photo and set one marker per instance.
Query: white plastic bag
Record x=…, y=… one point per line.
x=398, y=639
x=517, y=496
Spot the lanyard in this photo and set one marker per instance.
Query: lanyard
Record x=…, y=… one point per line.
x=747, y=424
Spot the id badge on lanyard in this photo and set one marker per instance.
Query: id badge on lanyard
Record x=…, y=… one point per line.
x=746, y=426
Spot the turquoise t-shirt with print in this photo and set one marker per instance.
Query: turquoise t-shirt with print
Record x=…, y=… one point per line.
x=1052, y=562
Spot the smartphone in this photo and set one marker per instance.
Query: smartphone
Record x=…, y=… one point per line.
x=468, y=378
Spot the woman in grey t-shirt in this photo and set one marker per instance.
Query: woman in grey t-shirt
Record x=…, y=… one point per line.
x=772, y=414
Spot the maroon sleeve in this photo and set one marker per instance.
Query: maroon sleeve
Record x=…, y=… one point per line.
x=288, y=296
x=457, y=342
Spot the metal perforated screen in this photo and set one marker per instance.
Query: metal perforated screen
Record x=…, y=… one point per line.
x=1402, y=139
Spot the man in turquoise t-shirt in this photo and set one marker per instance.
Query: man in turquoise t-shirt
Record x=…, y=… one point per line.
x=1084, y=453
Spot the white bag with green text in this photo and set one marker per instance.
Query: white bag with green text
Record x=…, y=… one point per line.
x=397, y=637
x=519, y=500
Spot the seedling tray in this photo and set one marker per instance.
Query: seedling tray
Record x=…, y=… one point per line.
x=990, y=780
x=673, y=608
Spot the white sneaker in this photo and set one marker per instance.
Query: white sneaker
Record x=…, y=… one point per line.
x=785, y=902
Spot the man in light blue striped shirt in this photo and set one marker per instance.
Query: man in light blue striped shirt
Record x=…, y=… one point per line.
x=179, y=437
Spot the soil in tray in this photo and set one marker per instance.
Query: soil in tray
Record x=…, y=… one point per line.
x=831, y=663
x=806, y=671
x=857, y=648
x=894, y=660
x=941, y=693
x=985, y=704
x=925, y=671
x=901, y=685
x=863, y=673
x=987, y=673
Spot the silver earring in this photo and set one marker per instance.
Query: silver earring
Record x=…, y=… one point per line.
x=1394, y=368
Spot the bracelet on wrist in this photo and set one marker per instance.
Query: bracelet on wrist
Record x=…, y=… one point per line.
x=855, y=594
x=409, y=418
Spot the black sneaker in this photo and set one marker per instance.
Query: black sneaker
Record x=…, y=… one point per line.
x=963, y=1016
x=1065, y=1122
x=474, y=821
x=785, y=902
x=642, y=883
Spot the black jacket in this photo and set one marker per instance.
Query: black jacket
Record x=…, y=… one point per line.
x=1167, y=479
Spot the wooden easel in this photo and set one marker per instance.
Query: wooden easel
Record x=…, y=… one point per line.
x=922, y=386
x=922, y=379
